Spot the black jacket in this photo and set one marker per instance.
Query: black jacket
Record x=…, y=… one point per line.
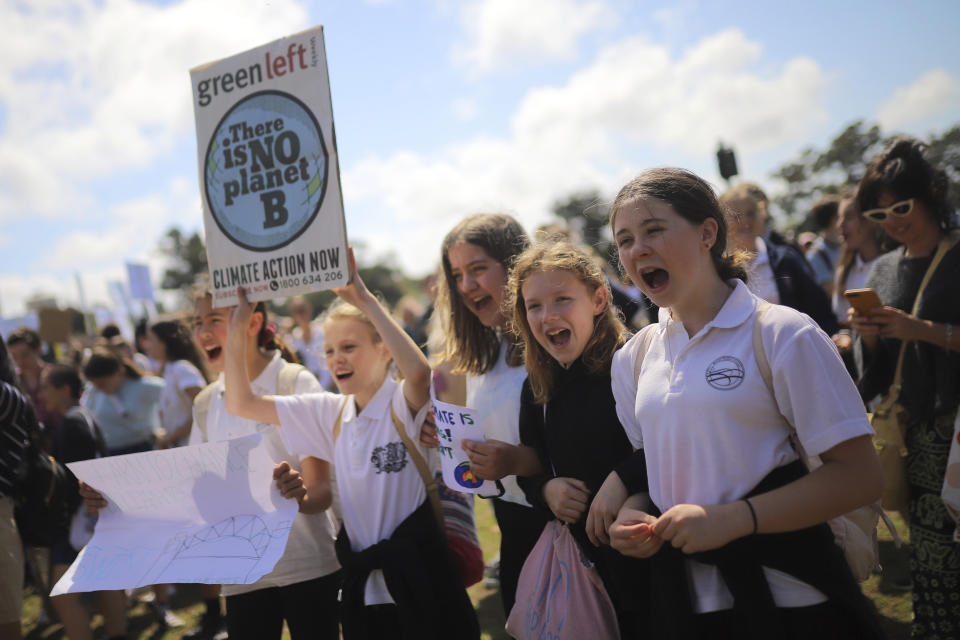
x=797, y=286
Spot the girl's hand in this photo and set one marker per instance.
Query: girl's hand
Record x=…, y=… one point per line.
x=490, y=459
x=632, y=534
x=843, y=341
x=355, y=292
x=692, y=528
x=894, y=323
x=567, y=498
x=289, y=481
x=604, y=509
x=863, y=325
x=428, y=432
x=92, y=499
x=240, y=315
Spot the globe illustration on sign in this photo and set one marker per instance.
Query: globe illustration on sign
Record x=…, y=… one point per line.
x=465, y=476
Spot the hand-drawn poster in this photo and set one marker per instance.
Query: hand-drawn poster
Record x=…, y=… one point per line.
x=455, y=424
x=208, y=513
x=269, y=176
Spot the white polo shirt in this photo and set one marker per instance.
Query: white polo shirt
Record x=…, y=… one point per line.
x=496, y=394
x=175, y=405
x=309, y=552
x=710, y=427
x=378, y=483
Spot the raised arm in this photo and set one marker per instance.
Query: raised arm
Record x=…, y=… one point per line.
x=239, y=397
x=410, y=360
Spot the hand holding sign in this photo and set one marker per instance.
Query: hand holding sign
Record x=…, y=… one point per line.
x=456, y=425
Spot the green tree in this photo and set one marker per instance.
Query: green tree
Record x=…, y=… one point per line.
x=188, y=256
x=842, y=164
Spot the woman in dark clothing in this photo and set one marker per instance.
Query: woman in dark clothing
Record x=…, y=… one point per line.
x=562, y=308
x=907, y=196
x=14, y=433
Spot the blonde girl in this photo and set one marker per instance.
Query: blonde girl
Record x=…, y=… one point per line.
x=399, y=579
x=476, y=256
x=561, y=307
x=732, y=521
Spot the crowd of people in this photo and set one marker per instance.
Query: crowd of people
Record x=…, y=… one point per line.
x=675, y=451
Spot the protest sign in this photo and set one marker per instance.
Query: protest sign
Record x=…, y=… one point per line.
x=56, y=325
x=455, y=424
x=272, y=207
x=209, y=513
x=138, y=275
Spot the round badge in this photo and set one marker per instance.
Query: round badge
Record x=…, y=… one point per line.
x=725, y=373
x=465, y=476
x=266, y=171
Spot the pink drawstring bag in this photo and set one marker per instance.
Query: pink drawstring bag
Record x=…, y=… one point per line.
x=560, y=595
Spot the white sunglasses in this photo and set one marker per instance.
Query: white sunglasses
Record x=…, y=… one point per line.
x=900, y=209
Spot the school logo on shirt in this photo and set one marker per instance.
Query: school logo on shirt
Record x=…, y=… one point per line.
x=389, y=459
x=725, y=373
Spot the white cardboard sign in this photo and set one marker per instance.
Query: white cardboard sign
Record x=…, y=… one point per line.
x=455, y=424
x=269, y=176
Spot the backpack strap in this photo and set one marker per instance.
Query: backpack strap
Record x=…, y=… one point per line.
x=339, y=421
x=201, y=405
x=287, y=378
x=429, y=480
x=641, y=354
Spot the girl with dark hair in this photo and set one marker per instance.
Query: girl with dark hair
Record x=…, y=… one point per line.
x=123, y=401
x=907, y=196
x=731, y=519
x=476, y=256
x=184, y=371
x=562, y=308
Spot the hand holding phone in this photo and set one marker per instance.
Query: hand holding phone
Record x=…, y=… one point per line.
x=863, y=300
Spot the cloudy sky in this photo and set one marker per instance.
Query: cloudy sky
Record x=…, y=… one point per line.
x=442, y=108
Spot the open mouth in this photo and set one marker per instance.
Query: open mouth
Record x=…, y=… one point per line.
x=559, y=338
x=655, y=278
x=343, y=376
x=481, y=303
x=213, y=353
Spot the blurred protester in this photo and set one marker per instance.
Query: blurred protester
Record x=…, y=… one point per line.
x=862, y=242
x=824, y=252
x=908, y=197
x=805, y=240
x=77, y=437
x=140, y=358
x=25, y=348
x=307, y=339
x=778, y=273
x=184, y=370
x=412, y=316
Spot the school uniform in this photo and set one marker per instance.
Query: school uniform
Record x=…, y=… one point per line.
x=710, y=430
x=175, y=405
x=496, y=394
x=579, y=436
x=389, y=540
x=302, y=587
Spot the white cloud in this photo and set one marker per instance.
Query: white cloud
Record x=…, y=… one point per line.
x=465, y=109
x=934, y=93
x=634, y=100
x=504, y=32
x=92, y=88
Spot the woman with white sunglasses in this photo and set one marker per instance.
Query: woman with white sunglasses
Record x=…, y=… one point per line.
x=908, y=197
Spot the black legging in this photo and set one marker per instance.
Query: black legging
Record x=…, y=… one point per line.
x=310, y=609
x=520, y=528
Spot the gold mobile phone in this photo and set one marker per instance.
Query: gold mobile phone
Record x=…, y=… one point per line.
x=863, y=300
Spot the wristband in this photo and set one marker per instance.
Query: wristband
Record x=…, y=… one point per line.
x=753, y=515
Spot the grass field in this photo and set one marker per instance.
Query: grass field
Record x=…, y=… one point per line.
x=893, y=608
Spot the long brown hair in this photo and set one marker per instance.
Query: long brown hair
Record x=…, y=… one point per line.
x=847, y=255
x=693, y=199
x=470, y=346
x=179, y=344
x=609, y=333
